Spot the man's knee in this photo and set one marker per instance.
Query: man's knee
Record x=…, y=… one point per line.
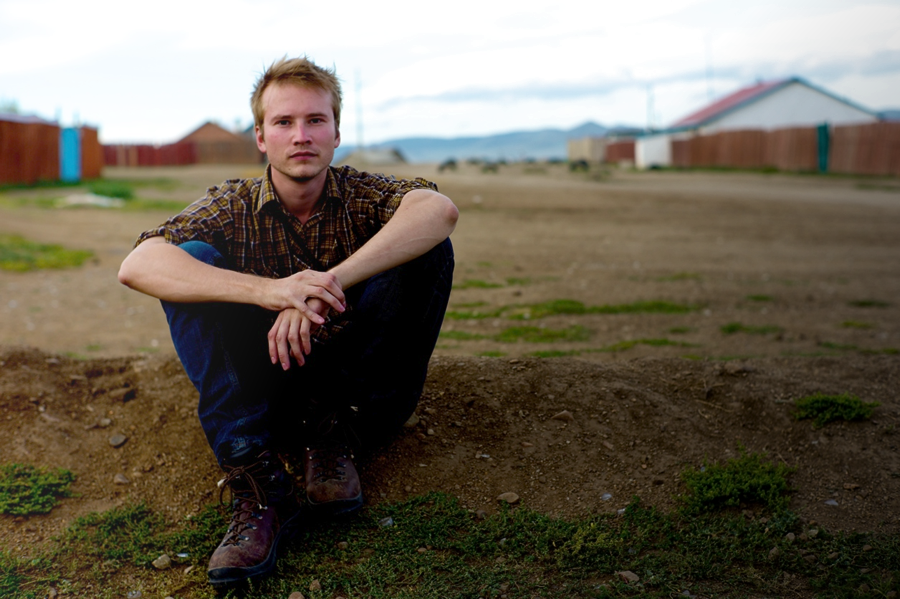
x=204, y=252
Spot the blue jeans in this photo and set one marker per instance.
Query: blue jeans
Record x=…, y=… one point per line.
x=370, y=375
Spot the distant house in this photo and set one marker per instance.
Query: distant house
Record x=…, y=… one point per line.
x=374, y=157
x=775, y=105
x=216, y=145
x=764, y=106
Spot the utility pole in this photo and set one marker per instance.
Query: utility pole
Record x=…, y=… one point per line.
x=709, y=68
x=359, y=112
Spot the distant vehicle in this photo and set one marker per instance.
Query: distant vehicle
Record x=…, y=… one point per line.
x=579, y=165
x=449, y=164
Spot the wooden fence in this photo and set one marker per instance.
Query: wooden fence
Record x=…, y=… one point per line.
x=183, y=153
x=29, y=152
x=866, y=149
x=91, y=154
x=872, y=149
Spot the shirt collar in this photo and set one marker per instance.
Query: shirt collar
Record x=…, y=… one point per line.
x=267, y=193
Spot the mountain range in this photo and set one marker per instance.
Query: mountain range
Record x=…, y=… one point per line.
x=541, y=144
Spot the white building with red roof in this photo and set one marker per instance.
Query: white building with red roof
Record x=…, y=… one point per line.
x=769, y=105
x=773, y=105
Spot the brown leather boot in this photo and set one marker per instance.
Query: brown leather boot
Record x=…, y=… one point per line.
x=265, y=513
x=332, y=484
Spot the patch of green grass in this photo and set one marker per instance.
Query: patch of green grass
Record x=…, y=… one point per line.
x=889, y=351
x=680, y=276
x=630, y=343
x=10, y=577
x=681, y=330
x=747, y=479
x=26, y=489
x=856, y=324
x=112, y=189
x=760, y=298
x=474, y=314
x=543, y=335
x=869, y=303
x=460, y=335
x=434, y=548
x=518, y=281
x=476, y=284
x=823, y=408
x=615, y=347
x=568, y=307
x=470, y=305
x=551, y=308
x=19, y=254
x=736, y=327
x=644, y=307
x=839, y=346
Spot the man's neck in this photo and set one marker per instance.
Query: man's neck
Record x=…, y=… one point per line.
x=300, y=198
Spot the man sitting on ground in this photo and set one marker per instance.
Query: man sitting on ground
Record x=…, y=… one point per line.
x=304, y=305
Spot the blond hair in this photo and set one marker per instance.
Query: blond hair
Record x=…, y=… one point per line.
x=297, y=71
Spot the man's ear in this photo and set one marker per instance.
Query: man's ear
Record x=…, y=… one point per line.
x=260, y=141
x=337, y=138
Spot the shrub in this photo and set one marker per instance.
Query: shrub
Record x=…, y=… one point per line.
x=26, y=489
x=746, y=479
x=824, y=408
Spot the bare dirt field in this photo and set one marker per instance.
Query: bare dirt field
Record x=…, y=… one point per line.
x=802, y=272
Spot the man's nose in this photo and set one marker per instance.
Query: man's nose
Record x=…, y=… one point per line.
x=301, y=134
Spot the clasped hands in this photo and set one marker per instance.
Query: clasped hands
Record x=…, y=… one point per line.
x=305, y=298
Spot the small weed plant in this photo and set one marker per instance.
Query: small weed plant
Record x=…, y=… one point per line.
x=869, y=303
x=736, y=327
x=26, y=489
x=823, y=408
x=746, y=480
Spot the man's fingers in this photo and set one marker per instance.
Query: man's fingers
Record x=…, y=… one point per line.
x=326, y=297
x=305, y=329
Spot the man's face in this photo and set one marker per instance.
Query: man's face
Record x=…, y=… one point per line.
x=299, y=134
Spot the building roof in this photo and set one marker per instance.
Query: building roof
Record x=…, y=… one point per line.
x=744, y=97
x=731, y=102
x=210, y=131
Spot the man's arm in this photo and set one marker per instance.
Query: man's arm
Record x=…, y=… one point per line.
x=167, y=272
x=424, y=219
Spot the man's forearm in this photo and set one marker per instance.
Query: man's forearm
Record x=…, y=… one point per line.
x=169, y=273
x=424, y=219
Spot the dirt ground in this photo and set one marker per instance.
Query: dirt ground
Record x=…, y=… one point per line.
x=813, y=260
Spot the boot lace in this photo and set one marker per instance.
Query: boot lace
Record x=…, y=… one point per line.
x=248, y=498
x=327, y=465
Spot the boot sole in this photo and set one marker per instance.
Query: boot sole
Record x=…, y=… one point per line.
x=344, y=507
x=223, y=578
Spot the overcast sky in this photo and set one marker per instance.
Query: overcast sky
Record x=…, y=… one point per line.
x=153, y=72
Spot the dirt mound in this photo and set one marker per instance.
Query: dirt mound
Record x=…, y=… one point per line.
x=569, y=437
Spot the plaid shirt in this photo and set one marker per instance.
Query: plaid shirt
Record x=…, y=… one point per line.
x=244, y=220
